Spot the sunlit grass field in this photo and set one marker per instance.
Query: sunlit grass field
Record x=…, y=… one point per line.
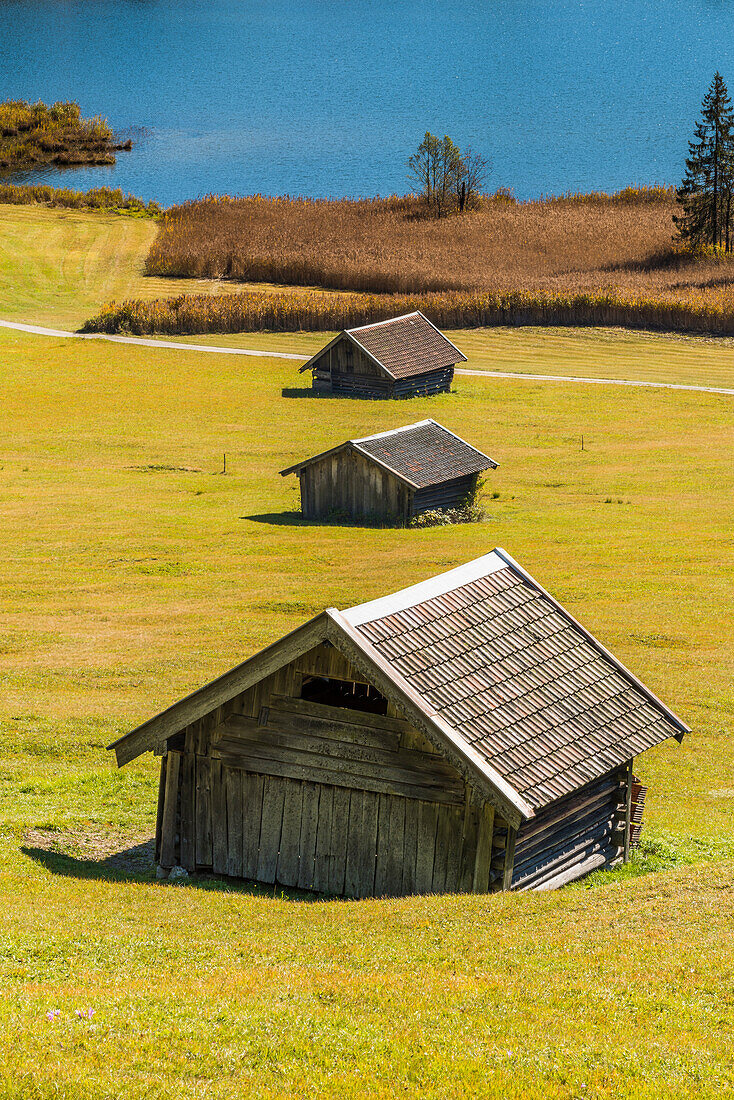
x=58, y=267
x=134, y=570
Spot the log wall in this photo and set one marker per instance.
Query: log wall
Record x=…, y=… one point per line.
x=447, y=494
x=573, y=836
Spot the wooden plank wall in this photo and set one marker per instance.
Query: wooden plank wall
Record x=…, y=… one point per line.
x=334, y=840
x=349, y=484
x=280, y=790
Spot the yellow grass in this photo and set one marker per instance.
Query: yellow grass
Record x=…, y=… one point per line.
x=59, y=266
x=133, y=570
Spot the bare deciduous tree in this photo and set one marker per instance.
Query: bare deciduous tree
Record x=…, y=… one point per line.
x=444, y=177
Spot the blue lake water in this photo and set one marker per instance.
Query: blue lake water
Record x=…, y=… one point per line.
x=322, y=98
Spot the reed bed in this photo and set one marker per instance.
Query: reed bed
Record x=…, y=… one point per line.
x=576, y=259
x=295, y=312
x=572, y=243
x=97, y=198
x=34, y=133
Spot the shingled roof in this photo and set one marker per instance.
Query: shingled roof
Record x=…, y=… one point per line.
x=407, y=345
x=516, y=693
x=403, y=346
x=420, y=454
x=515, y=677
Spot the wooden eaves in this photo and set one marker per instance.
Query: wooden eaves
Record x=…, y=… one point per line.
x=375, y=324
x=350, y=444
x=329, y=626
x=346, y=332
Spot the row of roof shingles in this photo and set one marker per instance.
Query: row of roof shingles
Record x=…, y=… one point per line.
x=427, y=454
x=501, y=665
x=407, y=346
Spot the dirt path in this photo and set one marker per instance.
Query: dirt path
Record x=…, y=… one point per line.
x=37, y=330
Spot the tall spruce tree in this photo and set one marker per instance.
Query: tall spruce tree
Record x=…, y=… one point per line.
x=708, y=185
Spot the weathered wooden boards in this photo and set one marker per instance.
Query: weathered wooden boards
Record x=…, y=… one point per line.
x=349, y=484
x=344, y=748
x=316, y=836
x=572, y=836
x=445, y=494
x=347, y=370
x=288, y=791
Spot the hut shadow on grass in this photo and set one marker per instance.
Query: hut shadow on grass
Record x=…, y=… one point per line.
x=295, y=519
x=281, y=519
x=303, y=391
x=136, y=864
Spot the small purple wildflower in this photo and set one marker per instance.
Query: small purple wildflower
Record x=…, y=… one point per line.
x=84, y=1013
x=52, y=1014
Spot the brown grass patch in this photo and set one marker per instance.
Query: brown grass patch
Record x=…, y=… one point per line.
x=577, y=244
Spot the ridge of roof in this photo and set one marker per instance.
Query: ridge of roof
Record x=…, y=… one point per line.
x=388, y=321
x=425, y=590
x=497, y=559
x=394, y=431
x=350, y=332
x=447, y=735
x=381, y=461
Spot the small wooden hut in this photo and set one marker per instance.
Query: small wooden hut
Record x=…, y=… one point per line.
x=465, y=734
x=403, y=357
x=392, y=476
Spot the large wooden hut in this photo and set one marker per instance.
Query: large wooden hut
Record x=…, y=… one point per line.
x=402, y=357
x=392, y=476
x=464, y=734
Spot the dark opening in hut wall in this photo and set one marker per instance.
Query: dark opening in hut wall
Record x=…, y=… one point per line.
x=281, y=788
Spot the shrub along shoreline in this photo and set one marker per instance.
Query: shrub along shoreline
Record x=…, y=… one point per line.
x=97, y=198
x=263, y=311
x=34, y=133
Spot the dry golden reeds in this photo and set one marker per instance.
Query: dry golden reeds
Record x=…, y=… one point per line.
x=386, y=246
x=293, y=312
x=574, y=259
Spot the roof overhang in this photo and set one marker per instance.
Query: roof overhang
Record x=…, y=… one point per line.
x=404, y=317
x=152, y=735
x=330, y=626
x=355, y=444
x=345, y=334
x=351, y=335
x=622, y=669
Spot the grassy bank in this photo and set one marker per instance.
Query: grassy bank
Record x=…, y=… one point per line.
x=34, y=133
x=134, y=570
x=58, y=266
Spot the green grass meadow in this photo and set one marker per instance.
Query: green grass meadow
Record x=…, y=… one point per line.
x=134, y=570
